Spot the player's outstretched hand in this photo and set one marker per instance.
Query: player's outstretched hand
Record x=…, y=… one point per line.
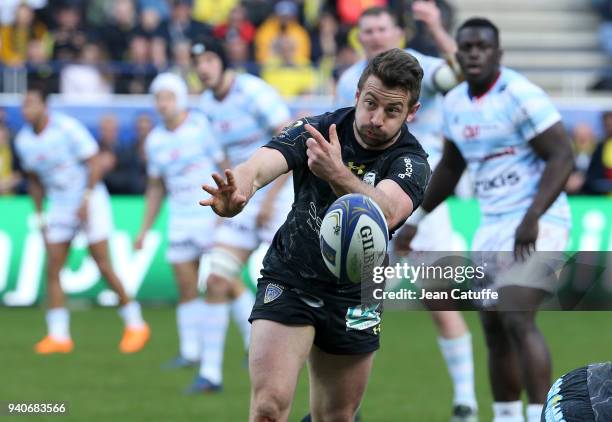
x=525, y=237
x=324, y=158
x=225, y=200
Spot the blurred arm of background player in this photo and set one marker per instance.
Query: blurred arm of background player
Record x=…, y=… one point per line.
x=428, y=12
x=553, y=146
x=267, y=210
x=37, y=193
x=95, y=173
x=154, y=195
x=441, y=185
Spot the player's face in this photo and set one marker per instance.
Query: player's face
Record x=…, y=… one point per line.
x=478, y=55
x=210, y=69
x=378, y=34
x=381, y=112
x=33, y=107
x=165, y=101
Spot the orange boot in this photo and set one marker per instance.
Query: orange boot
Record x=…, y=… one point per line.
x=50, y=345
x=134, y=339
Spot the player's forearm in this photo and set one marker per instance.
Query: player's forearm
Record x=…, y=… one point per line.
x=37, y=194
x=441, y=186
x=346, y=183
x=557, y=171
x=263, y=167
x=95, y=171
x=153, y=200
x=445, y=43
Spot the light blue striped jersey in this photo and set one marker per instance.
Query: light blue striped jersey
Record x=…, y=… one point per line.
x=492, y=133
x=185, y=159
x=427, y=126
x=57, y=156
x=246, y=118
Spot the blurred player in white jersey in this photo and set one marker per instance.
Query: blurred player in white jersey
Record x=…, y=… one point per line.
x=61, y=159
x=244, y=112
x=511, y=138
x=378, y=31
x=181, y=152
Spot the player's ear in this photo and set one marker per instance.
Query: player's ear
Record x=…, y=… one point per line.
x=412, y=112
x=357, y=93
x=500, y=54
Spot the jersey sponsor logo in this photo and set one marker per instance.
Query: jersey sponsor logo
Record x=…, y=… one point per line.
x=471, y=131
x=273, y=292
x=500, y=181
x=370, y=178
x=356, y=168
x=409, y=169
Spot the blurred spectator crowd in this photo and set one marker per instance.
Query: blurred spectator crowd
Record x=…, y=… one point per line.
x=99, y=47
x=93, y=48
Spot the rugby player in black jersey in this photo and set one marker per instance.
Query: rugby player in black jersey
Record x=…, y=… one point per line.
x=302, y=311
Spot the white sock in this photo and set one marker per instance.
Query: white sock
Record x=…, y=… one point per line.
x=58, y=323
x=241, y=311
x=534, y=412
x=457, y=353
x=188, y=321
x=132, y=315
x=508, y=411
x=215, y=318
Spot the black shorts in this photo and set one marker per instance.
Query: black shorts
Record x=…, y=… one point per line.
x=569, y=399
x=343, y=325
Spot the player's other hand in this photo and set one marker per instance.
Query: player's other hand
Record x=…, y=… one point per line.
x=225, y=200
x=139, y=242
x=403, y=239
x=525, y=237
x=324, y=158
x=427, y=12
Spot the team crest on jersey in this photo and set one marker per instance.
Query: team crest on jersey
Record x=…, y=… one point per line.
x=369, y=178
x=272, y=293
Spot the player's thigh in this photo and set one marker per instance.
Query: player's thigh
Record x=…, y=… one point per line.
x=99, y=225
x=276, y=355
x=186, y=276
x=337, y=383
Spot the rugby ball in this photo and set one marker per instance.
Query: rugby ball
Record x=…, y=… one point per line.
x=354, y=237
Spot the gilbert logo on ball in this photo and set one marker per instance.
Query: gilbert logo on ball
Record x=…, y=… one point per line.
x=354, y=238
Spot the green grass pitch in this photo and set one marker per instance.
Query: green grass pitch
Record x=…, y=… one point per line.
x=409, y=381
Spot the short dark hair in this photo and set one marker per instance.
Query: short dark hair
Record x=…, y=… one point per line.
x=40, y=87
x=396, y=69
x=477, y=22
x=377, y=11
